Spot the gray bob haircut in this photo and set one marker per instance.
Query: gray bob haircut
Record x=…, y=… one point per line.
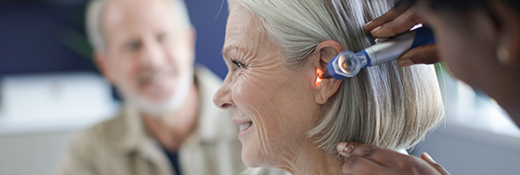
x=94, y=21
x=384, y=105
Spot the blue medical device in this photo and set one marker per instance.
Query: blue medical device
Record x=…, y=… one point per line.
x=347, y=64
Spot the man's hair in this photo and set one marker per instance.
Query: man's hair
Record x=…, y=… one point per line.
x=96, y=8
x=384, y=105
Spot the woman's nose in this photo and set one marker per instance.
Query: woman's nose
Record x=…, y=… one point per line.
x=222, y=97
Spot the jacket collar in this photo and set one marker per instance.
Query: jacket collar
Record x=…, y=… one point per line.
x=212, y=125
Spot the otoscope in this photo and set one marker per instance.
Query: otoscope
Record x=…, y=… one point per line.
x=347, y=64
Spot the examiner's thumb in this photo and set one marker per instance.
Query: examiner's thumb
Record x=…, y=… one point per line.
x=420, y=55
x=426, y=157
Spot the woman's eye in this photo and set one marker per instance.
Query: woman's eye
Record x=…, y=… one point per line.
x=239, y=64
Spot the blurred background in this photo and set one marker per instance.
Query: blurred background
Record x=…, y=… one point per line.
x=50, y=89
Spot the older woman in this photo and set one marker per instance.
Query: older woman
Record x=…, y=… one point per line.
x=276, y=50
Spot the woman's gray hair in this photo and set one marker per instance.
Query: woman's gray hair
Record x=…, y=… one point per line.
x=384, y=105
x=94, y=21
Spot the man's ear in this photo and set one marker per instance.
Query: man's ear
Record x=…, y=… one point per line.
x=192, y=37
x=103, y=65
x=324, y=53
x=508, y=51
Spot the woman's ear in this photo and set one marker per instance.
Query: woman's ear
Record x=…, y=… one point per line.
x=509, y=39
x=325, y=87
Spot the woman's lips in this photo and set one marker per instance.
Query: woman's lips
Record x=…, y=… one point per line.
x=243, y=125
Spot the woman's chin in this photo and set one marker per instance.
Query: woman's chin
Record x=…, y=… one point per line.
x=250, y=158
x=248, y=162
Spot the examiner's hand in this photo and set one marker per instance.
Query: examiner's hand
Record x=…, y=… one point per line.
x=366, y=159
x=398, y=20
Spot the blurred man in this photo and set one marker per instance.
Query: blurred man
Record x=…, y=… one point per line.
x=168, y=124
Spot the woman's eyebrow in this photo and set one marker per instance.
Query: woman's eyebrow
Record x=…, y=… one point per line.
x=227, y=49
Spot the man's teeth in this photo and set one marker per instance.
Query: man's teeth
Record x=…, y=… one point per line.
x=244, y=126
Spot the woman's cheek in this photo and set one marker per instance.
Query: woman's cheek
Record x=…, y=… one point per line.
x=239, y=92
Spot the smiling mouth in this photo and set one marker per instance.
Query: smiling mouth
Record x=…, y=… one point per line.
x=245, y=126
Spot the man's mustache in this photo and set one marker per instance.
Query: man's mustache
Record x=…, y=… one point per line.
x=148, y=76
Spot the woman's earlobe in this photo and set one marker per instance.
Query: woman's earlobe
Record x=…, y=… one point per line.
x=326, y=89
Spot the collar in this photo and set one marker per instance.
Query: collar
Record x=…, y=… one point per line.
x=214, y=123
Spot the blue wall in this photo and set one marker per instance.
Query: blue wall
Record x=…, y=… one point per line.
x=210, y=26
x=31, y=38
x=48, y=36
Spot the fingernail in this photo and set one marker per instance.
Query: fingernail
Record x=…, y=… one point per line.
x=380, y=40
x=375, y=30
x=349, y=149
x=405, y=63
x=368, y=23
x=341, y=146
x=429, y=157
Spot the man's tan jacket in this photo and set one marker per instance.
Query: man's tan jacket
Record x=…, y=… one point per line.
x=122, y=146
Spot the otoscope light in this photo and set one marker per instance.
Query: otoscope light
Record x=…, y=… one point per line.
x=319, y=78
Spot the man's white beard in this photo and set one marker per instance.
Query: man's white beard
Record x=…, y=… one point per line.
x=173, y=103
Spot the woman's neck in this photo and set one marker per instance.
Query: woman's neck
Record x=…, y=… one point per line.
x=311, y=160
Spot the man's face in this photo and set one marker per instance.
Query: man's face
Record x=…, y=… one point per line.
x=149, y=55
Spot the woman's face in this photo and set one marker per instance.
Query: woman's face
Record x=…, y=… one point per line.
x=273, y=105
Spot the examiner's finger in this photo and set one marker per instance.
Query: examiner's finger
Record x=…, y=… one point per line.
x=426, y=157
x=420, y=55
x=375, y=153
x=400, y=24
x=387, y=17
x=361, y=165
